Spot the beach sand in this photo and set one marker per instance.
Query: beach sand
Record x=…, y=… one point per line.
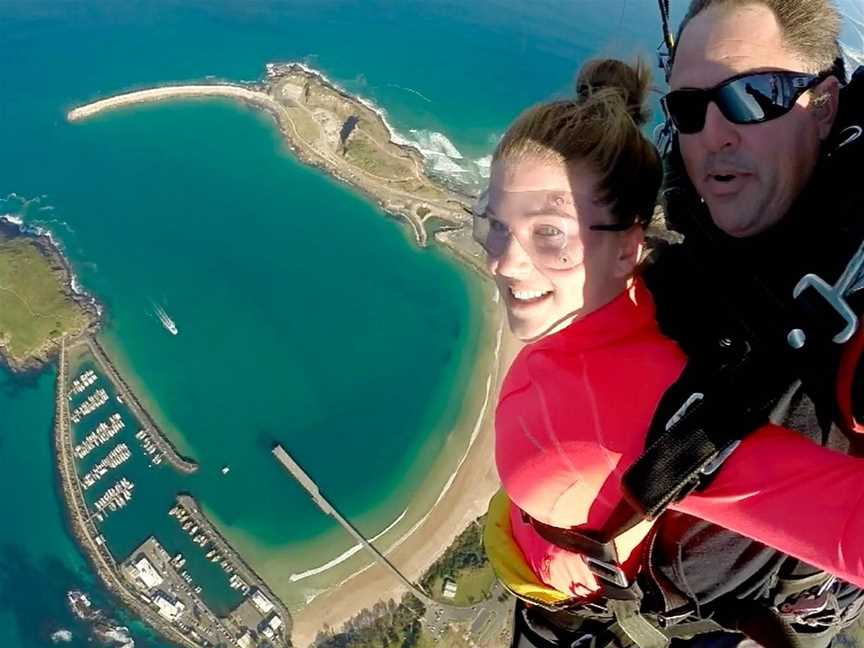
x=466, y=499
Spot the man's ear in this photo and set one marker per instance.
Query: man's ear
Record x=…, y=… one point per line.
x=826, y=100
x=629, y=251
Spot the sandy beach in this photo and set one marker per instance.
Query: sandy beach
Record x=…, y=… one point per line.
x=466, y=499
x=473, y=479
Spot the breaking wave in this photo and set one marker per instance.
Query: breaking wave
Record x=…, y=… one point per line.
x=343, y=556
x=443, y=158
x=18, y=215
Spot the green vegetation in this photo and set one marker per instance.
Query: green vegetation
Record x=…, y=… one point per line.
x=386, y=625
x=35, y=308
x=306, y=126
x=465, y=563
x=370, y=157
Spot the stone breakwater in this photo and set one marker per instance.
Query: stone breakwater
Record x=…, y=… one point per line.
x=311, y=112
x=85, y=532
x=172, y=456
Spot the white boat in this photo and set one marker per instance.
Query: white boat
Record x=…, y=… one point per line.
x=167, y=322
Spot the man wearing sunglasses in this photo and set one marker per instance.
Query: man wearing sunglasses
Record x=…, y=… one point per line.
x=772, y=209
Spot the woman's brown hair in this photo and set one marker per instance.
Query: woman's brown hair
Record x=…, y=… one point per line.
x=601, y=126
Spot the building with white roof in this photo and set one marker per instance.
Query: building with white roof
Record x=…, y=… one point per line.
x=169, y=607
x=261, y=602
x=450, y=589
x=147, y=573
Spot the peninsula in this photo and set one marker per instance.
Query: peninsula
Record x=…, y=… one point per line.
x=346, y=137
x=350, y=140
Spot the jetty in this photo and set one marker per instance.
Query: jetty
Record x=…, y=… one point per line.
x=83, y=528
x=158, y=438
x=315, y=493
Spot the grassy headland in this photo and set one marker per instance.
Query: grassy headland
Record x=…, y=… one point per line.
x=37, y=303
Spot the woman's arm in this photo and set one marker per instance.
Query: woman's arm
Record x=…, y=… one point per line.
x=789, y=493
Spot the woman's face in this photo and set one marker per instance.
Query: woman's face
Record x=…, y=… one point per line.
x=549, y=266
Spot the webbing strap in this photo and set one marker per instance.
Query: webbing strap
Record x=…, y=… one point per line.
x=635, y=626
x=690, y=629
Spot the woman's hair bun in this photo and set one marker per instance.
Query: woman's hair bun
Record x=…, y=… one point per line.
x=631, y=82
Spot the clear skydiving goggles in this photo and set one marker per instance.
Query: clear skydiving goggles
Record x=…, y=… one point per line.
x=547, y=225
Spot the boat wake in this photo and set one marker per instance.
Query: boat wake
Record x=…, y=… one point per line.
x=166, y=321
x=343, y=556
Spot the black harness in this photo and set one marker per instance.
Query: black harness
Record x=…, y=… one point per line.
x=729, y=390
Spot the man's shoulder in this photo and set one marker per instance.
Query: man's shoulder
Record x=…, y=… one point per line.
x=689, y=306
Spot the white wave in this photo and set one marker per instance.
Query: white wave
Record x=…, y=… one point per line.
x=435, y=143
x=61, y=636
x=446, y=166
x=474, y=434
x=343, y=556
x=120, y=635
x=12, y=219
x=44, y=232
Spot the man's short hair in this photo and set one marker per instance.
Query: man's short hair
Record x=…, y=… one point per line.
x=810, y=28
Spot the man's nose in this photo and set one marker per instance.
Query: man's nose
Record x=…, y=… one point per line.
x=514, y=262
x=718, y=133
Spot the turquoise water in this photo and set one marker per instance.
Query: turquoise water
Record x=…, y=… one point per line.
x=305, y=316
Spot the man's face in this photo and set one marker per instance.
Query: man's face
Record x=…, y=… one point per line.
x=748, y=175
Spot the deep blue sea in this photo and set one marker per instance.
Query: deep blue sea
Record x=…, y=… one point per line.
x=305, y=315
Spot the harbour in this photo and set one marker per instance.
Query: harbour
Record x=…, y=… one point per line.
x=158, y=586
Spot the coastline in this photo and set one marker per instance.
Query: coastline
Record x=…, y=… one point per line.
x=432, y=198
x=13, y=227
x=463, y=488
x=463, y=498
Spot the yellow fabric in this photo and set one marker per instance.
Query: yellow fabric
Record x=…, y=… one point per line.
x=507, y=560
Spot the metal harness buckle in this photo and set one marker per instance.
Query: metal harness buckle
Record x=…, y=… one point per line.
x=607, y=571
x=849, y=282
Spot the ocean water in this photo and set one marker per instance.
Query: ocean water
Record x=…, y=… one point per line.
x=305, y=316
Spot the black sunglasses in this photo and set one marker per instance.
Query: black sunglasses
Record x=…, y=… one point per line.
x=750, y=98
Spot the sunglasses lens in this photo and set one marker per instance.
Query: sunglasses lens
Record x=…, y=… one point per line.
x=687, y=109
x=754, y=99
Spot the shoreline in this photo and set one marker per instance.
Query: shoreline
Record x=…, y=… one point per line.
x=461, y=482
x=413, y=208
x=13, y=227
x=96, y=553
x=463, y=497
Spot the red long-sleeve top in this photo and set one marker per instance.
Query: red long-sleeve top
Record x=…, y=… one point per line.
x=573, y=414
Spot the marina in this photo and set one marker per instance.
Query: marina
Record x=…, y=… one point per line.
x=82, y=382
x=114, y=499
x=171, y=594
x=93, y=403
x=102, y=434
x=118, y=455
x=150, y=447
x=126, y=396
x=201, y=537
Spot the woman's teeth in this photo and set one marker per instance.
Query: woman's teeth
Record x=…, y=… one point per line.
x=527, y=295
